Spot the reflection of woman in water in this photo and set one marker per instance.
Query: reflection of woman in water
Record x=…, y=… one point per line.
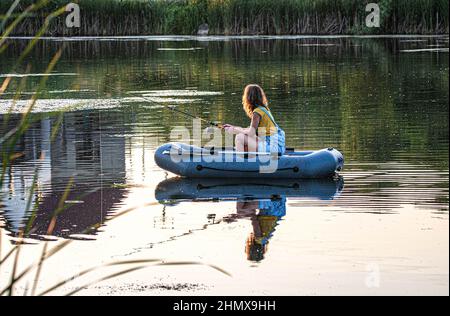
x=264, y=222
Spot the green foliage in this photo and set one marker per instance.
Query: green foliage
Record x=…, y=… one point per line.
x=152, y=17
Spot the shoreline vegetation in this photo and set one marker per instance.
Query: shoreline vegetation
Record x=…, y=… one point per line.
x=235, y=17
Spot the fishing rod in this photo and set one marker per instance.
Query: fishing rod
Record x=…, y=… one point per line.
x=173, y=108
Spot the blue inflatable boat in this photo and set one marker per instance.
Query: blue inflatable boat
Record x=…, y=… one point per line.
x=178, y=189
x=199, y=162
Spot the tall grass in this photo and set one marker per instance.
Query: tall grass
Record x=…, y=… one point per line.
x=152, y=17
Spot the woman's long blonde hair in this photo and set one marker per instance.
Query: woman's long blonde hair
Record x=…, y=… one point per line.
x=253, y=97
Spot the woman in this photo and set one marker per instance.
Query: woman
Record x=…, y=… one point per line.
x=263, y=134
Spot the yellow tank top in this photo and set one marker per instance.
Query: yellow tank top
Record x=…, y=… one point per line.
x=265, y=122
x=267, y=224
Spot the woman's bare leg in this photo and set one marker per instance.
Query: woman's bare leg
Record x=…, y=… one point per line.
x=240, y=142
x=252, y=144
x=245, y=143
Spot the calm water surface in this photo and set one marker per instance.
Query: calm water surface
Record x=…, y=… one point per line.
x=380, y=229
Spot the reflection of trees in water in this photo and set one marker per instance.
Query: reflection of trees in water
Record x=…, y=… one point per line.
x=406, y=104
x=82, y=151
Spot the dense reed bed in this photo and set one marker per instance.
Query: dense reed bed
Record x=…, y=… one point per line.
x=238, y=17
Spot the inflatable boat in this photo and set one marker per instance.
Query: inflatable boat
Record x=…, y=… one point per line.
x=184, y=189
x=199, y=162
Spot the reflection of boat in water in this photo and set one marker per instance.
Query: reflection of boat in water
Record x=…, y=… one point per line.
x=262, y=202
x=179, y=189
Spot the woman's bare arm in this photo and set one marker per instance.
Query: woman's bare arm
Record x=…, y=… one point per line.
x=251, y=130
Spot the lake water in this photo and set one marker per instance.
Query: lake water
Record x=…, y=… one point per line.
x=380, y=229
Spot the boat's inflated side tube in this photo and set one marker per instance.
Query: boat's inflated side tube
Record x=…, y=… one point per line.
x=196, y=162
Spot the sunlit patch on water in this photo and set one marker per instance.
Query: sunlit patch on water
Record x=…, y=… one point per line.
x=177, y=93
x=180, y=49
x=413, y=41
x=51, y=91
x=421, y=50
x=56, y=105
x=37, y=75
x=318, y=45
x=149, y=99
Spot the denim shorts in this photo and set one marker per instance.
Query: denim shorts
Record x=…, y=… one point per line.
x=275, y=143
